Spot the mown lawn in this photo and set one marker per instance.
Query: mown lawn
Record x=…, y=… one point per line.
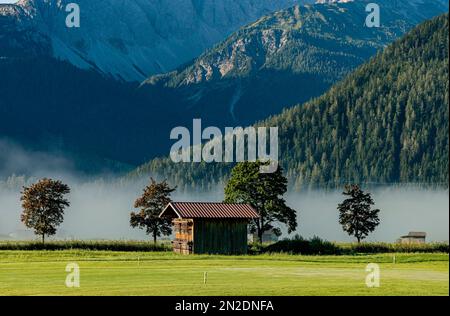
x=146, y=273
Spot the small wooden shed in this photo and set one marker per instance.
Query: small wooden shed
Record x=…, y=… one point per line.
x=413, y=238
x=209, y=228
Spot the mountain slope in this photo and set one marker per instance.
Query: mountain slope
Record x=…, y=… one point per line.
x=283, y=59
x=387, y=122
x=47, y=103
x=132, y=39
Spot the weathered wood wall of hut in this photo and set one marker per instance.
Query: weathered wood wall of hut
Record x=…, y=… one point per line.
x=183, y=242
x=215, y=236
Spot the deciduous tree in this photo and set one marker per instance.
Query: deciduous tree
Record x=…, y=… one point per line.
x=264, y=191
x=43, y=206
x=152, y=202
x=356, y=214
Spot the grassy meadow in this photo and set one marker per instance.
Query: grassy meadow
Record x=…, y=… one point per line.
x=164, y=273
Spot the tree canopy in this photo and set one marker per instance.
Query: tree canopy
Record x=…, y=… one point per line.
x=356, y=214
x=263, y=191
x=154, y=199
x=43, y=206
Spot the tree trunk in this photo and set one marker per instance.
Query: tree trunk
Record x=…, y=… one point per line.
x=358, y=236
x=43, y=238
x=154, y=238
x=260, y=230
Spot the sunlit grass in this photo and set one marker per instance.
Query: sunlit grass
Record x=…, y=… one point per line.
x=166, y=273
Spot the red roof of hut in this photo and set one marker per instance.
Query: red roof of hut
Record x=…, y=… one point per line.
x=209, y=210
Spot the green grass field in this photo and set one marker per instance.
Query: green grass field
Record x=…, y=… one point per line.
x=146, y=273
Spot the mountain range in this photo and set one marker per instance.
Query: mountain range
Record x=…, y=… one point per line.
x=56, y=95
x=283, y=59
x=133, y=39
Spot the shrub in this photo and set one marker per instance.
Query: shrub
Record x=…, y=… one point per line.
x=255, y=248
x=318, y=246
x=299, y=245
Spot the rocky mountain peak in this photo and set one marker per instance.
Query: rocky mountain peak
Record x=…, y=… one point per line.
x=133, y=39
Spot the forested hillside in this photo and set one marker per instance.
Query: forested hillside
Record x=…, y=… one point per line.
x=47, y=103
x=387, y=122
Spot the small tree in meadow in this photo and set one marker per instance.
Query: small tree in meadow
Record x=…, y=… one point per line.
x=152, y=202
x=263, y=191
x=356, y=215
x=43, y=206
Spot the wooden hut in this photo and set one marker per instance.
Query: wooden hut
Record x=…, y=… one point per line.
x=209, y=228
x=413, y=238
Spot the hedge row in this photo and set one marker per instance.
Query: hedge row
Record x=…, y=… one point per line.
x=297, y=245
x=317, y=246
x=86, y=245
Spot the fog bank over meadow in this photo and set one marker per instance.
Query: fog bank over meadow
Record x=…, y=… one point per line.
x=403, y=209
x=100, y=209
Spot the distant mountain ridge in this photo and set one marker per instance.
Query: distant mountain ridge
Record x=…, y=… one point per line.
x=283, y=59
x=133, y=39
x=387, y=122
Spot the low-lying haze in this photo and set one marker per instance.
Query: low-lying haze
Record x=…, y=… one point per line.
x=100, y=209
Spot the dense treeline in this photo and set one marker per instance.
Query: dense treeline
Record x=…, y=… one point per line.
x=385, y=123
